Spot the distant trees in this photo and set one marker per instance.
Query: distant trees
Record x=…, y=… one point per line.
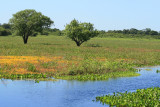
x=53, y=31
x=133, y=31
x=80, y=32
x=146, y=31
x=5, y=29
x=4, y=32
x=153, y=32
x=6, y=26
x=27, y=22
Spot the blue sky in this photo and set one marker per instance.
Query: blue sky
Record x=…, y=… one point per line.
x=104, y=14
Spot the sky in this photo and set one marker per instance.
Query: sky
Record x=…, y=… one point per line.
x=104, y=14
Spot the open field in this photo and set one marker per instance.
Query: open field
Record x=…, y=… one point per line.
x=59, y=56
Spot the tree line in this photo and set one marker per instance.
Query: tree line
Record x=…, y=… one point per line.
x=146, y=31
x=5, y=29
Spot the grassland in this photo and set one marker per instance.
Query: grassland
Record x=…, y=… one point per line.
x=60, y=57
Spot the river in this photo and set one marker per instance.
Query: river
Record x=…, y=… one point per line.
x=63, y=93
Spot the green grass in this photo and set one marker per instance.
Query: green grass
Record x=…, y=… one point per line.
x=95, y=77
x=121, y=52
x=142, y=51
x=141, y=98
x=110, y=48
x=90, y=69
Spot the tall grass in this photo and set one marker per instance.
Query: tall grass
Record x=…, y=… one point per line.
x=140, y=51
x=90, y=58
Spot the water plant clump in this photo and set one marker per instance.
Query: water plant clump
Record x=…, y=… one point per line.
x=23, y=76
x=158, y=71
x=141, y=98
x=92, y=66
x=94, y=77
x=91, y=69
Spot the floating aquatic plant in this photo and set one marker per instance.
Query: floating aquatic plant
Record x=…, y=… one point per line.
x=149, y=97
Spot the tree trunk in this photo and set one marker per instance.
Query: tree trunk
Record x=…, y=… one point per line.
x=25, y=39
x=78, y=43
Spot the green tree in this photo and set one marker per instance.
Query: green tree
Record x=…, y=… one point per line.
x=4, y=32
x=80, y=32
x=6, y=26
x=147, y=31
x=153, y=32
x=133, y=31
x=27, y=22
x=126, y=31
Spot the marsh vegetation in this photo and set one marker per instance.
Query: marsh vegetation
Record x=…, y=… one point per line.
x=141, y=98
x=60, y=57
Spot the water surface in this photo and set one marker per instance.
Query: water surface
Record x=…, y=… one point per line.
x=62, y=93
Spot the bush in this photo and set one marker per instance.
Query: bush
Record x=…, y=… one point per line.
x=44, y=33
x=31, y=67
x=91, y=66
x=4, y=32
x=34, y=34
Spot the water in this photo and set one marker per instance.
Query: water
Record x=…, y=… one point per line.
x=21, y=93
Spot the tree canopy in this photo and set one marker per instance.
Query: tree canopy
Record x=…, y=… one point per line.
x=146, y=31
x=4, y=32
x=80, y=32
x=27, y=22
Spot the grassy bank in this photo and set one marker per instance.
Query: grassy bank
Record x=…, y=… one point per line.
x=97, y=59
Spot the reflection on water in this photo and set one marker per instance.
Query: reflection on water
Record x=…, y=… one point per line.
x=62, y=93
